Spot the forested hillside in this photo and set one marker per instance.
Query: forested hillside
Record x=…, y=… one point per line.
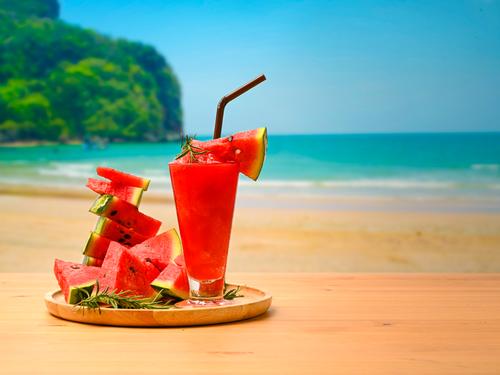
x=60, y=82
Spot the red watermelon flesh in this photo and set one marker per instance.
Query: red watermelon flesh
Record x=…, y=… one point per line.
x=129, y=194
x=247, y=148
x=179, y=260
x=125, y=214
x=123, y=178
x=123, y=271
x=73, y=276
x=172, y=281
x=116, y=232
x=159, y=250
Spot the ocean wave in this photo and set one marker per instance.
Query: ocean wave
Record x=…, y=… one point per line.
x=486, y=167
x=356, y=183
x=72, y=170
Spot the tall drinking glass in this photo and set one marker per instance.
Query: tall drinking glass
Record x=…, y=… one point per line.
x=204, y=196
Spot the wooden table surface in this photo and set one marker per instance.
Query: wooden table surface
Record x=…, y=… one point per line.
x=318, y=324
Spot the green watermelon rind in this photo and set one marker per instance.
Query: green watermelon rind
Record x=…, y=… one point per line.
x=91, y=243
x=100, y=204
x=99, y=226
x=91, y=261
x=79, y=292
x=254, y=172
x=137, y=197
x=167, y=288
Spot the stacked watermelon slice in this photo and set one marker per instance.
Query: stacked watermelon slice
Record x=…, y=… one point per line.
x=119, y=217
x=123, y=252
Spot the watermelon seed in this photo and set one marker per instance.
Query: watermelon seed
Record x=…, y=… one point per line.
x=113, y=213
x=121, y=240
x=230, y=138
x=127, y=236
x=75, y=267
x=132, y=269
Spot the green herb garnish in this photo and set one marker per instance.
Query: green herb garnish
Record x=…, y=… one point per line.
x=188, y=148
x=122, y=300
x=232, y=293
x=126, y=300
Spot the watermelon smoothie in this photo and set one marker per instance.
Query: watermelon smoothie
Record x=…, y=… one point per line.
x=204, y=196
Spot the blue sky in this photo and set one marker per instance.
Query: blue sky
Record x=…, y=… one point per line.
x=332, y=66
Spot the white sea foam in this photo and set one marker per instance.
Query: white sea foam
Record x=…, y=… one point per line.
x=356, y=183
x=486, y=167
x=72, y=170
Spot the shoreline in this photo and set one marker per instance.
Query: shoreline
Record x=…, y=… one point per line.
x=38, y=143
x=287, y=201
x=37, y=229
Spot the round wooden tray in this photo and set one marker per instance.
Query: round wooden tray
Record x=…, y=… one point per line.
x=253, y=303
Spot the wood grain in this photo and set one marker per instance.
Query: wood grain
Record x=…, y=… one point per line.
x=318, y=324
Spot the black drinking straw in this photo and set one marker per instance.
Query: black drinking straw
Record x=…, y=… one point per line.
x=219, y=115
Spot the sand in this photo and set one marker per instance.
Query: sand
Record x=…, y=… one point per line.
x=38, y=227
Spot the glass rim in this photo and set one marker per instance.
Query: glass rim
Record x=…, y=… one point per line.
x=203, y=164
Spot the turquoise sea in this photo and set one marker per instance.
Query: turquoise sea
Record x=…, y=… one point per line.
x=452, y=166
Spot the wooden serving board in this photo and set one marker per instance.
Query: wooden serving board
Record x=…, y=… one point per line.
x=253, y=303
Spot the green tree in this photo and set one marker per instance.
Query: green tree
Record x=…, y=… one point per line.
x=31, y=8
x=28, y=112
x=73, y=82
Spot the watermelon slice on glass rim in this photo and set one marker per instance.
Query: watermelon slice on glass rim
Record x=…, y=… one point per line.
x=248, y=148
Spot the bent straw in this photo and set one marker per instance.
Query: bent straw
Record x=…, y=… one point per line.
x=219, y=115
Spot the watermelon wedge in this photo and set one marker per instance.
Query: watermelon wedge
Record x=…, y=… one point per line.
x=172, y=281
x=116, y=232
x=122, y=271
x=123, y=178
x=129, y=194
x=125, y=214
x=247, y=148
x=159, y=250
x=73, y=278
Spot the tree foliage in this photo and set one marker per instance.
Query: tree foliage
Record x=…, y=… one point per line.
x=60, y=82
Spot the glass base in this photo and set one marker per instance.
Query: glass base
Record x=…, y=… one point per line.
x=206, y=290
x=194, y=303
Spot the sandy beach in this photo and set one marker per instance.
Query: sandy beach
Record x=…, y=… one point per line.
x=39, y=226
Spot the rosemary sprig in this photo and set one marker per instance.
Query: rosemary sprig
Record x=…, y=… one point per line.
x=189, y=148
x=121, y=300
x=232, y=293
x=126, y=300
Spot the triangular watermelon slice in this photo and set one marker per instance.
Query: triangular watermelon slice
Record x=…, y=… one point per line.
x=129, y=194
x=173, y=281
x=119, y=233
x=125, y=214
x=123, y=271
x=123, y=178
x=74, y=277
x=159, y=250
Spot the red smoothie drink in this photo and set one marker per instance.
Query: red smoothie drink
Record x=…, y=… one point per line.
x=204, y=195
